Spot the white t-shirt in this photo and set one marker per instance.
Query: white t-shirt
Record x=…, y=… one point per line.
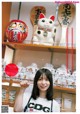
x=40, y=104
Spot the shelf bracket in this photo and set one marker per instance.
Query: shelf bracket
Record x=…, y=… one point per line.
x=51, y=60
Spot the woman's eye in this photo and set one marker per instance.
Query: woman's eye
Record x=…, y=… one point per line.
x=43, y=20
x=46, y=79
x=40, y=78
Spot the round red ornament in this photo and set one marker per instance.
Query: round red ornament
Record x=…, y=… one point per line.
x=16, y=31
x=11, y=69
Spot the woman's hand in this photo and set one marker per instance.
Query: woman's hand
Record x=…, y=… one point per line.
x=25, y=83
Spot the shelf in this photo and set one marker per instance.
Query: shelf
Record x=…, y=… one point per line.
x=10, y=81
x=37, y=47
x=4, y=80
x=68, y=110
x=69, y=90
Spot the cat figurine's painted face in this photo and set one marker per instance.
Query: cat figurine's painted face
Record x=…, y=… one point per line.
x=46, y=23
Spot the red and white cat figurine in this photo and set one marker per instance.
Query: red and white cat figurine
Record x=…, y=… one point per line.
x=44, y=33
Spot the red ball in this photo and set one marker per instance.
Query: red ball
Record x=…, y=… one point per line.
x=11, y=69
x=16, y=31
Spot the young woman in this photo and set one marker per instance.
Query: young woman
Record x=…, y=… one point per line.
x=41, y=98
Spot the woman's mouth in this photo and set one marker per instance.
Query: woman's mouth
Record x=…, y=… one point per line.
x=43, y=87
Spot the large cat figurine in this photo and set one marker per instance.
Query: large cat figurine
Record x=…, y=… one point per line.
x=44, y=33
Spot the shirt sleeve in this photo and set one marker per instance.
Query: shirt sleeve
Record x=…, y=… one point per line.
x=56, y=106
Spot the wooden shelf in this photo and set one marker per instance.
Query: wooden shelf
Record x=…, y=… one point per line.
x=4, y=80
x=68, y=110
x=37, y=47
x=10, y=82
x=69, y=90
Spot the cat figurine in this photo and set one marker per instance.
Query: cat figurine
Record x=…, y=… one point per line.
x=44, y=32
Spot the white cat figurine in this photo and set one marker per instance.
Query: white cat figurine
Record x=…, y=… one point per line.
x=44, y=33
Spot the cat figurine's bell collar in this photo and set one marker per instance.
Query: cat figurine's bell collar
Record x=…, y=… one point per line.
x=45, y=33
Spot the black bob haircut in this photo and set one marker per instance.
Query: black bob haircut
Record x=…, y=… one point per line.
x=35, y=91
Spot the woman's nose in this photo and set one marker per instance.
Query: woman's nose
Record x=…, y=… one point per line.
x=43, y=81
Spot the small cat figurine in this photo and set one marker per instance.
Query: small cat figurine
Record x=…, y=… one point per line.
x=44, y=33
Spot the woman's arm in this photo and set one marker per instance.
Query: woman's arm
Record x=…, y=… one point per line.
x=19, y=99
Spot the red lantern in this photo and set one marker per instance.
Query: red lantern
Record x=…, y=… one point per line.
x=16, y=31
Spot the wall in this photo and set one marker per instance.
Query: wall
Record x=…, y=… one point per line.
x=6, y=8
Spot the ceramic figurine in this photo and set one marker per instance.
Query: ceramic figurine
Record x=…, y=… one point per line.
x=44, y=32
x=31, y=71
x=16, y=31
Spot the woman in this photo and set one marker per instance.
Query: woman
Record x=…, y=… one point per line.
x=41, y=98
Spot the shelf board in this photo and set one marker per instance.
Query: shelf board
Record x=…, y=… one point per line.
x=4, y=80
x=69, y=90
x=37, y=47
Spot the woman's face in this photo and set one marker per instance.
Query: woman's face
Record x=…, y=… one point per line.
x=43, y=83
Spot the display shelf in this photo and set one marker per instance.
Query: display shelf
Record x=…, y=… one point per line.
x=68, y=110
x=38, y=47
x=5, y=80
x=10, y=81
x=5, y=102
x=9, y=96
x=5, y=96
x=69, y=90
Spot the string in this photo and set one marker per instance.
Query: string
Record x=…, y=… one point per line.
x=19, y=10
